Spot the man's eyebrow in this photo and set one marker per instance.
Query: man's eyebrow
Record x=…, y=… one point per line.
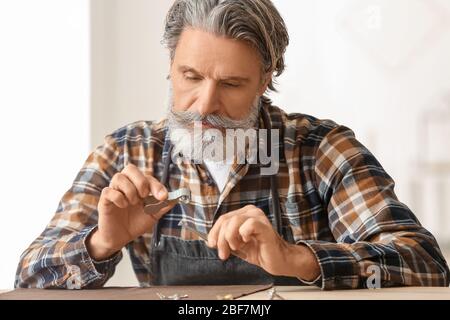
x=226, y=78
x=235, y=78
x=188, y=69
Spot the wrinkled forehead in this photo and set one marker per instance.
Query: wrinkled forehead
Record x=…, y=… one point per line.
x=216, y=56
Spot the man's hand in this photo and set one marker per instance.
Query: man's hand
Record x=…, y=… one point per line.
x=121, y=217
x=249, y=234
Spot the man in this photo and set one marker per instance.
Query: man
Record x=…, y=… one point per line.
x=339, y=221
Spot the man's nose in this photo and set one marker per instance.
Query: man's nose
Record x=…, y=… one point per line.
x=208, y=101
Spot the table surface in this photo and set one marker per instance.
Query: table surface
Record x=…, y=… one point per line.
x=312, y=293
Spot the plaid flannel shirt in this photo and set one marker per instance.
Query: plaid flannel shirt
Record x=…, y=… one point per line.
x=335, y=198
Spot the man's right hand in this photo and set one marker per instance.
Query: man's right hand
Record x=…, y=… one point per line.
x=121, y=216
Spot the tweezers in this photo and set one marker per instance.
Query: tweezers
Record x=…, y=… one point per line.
x=153, y=205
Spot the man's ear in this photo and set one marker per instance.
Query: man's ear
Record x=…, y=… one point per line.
x=265, y=83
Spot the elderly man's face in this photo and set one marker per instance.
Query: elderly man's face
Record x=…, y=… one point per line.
x=215, y=75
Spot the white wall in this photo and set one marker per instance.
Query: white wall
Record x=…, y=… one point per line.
x=44, y=115
x=129, y=66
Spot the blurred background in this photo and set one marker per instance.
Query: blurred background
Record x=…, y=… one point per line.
x=72, y=71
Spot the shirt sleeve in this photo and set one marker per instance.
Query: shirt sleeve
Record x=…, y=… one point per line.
x=58, y=258
x=376, y=235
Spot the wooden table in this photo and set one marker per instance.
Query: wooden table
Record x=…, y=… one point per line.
x=307, y=293
x=311, y=293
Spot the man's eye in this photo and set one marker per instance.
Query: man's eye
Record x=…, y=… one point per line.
x=231, y=85
x=192, y=78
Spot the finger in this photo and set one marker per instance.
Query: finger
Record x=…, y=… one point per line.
x=110, y=197
x=232, y=234
x=157, y=189
x=120, y=182
x=222, y=244
x=214, y=232
x=253, y=228
x=140, y=182
x=249, y=210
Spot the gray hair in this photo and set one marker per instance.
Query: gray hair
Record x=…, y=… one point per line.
x=257, y=22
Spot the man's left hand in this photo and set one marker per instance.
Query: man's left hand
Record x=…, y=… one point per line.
x=248, y=234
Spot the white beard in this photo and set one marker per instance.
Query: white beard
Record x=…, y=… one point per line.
x=189, y=144
x=196, y=145
x=209, y=145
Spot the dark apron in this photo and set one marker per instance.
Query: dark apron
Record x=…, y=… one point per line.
x=174, y=261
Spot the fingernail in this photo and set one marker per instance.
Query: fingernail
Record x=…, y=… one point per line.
x=161, y=193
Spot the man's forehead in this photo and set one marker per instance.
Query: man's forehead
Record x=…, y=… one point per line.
x=208, y=53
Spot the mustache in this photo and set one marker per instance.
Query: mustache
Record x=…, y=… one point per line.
x=186, y=118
